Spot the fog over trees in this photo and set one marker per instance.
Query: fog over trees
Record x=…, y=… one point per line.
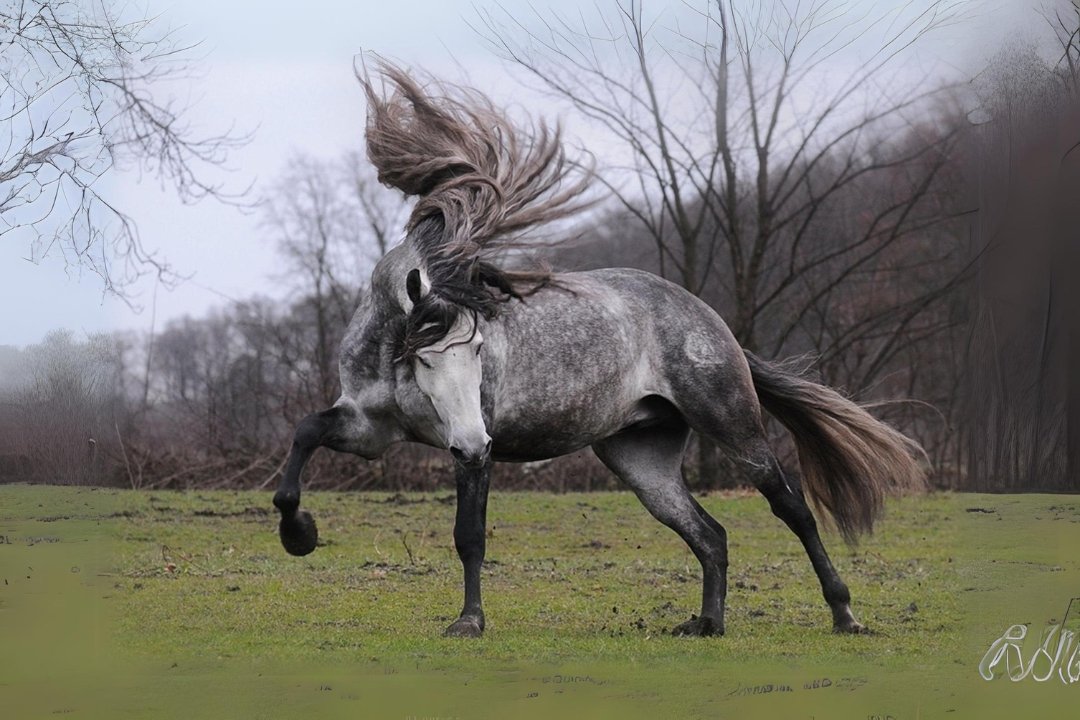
x=909, y=240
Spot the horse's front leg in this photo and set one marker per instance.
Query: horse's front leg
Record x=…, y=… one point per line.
x=297, y=529
x=469, y=538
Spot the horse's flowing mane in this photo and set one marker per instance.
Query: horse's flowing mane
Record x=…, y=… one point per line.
x=481, y=183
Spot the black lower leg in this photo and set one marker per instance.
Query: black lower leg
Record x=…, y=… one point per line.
x=469, y=538
x=788, y=504
x=297, y=529
x=714, y=570
x=708, y=541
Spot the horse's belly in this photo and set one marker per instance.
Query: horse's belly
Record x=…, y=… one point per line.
x=546, y=430
x=524, y=445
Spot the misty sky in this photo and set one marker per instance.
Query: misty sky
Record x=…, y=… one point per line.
x=288, y=76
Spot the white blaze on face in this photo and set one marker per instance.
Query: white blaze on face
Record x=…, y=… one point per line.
x=449, y=373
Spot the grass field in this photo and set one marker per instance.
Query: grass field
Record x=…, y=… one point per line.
x=127, y=604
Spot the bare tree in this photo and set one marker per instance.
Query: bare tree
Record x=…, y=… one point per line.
x=84, y=88
x=332, y=221
x=1065, y=23
x=382, y=212
x=746, y=142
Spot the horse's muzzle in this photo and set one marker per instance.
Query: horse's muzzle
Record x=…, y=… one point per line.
x=472, y=460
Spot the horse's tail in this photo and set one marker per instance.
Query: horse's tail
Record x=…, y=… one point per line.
x=849, y=459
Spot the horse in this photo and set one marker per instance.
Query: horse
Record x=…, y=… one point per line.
x=453, y=348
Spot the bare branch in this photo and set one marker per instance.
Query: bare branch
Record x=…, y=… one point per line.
x=81, y=92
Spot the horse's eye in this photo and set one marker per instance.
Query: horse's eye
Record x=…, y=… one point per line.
x=478, y=349
x=423, y=362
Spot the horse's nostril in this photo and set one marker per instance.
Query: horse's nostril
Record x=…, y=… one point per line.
x=487, y=448
x=470, y=460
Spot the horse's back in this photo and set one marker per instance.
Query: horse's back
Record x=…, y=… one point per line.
x=676, y=328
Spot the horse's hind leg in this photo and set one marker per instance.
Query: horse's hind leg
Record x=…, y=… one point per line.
x=788, y=504
x=649, y=460
x=728, y=411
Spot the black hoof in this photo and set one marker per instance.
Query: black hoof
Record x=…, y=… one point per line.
x=468, y=627
x=298, y=533
x=698, y=627
x=844, y=622
x=851, y=627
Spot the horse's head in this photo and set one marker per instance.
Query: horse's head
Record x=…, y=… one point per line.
x=443, y=343
x=412, y=353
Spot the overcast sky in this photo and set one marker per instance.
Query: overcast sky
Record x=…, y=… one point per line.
x=288, y=76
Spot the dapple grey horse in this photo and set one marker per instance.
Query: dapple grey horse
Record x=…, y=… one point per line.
x=451, y=349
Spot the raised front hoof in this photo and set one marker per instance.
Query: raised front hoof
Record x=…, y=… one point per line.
x=698, y=627
x=851, y=627
x=299, y=536
x=466, y=627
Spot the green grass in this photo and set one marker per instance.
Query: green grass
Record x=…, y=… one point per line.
x=186, y=605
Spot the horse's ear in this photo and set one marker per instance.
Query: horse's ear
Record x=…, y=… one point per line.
x=415, y=285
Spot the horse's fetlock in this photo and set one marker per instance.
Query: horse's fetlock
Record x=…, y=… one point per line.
x=837, y=594
x=286, y=502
